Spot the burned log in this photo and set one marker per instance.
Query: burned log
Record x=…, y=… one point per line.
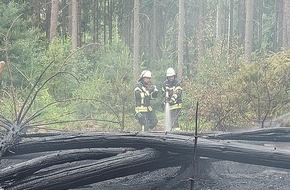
x=104, y=169
x=183, y=145
x=280, y=134
x=177, y=149
x=10, y=138
x=27, y=168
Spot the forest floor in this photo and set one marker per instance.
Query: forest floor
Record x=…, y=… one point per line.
x=220, y=175
x=212, y=175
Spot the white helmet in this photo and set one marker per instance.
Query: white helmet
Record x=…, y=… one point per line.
x=145, y=73
x=170, y=72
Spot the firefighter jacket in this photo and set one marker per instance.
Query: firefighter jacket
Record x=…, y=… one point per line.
x=174, y=94
x=143, y=94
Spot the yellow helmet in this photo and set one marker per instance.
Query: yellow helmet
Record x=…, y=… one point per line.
x=170, y=72
x=145, y=73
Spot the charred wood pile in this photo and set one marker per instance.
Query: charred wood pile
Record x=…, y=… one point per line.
x=73, y=160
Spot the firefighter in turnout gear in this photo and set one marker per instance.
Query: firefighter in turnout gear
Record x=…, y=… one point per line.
x=172, y=94
x=144, y=93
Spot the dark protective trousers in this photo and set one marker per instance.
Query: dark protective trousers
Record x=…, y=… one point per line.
x=150, y=120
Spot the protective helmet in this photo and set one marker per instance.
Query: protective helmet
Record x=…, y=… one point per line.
x=170, y=72
x=145, y=73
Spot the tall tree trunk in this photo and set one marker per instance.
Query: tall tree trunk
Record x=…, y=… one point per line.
x=145, y=44
x=125, y=21
x=219, y=21
x=258, y=26
x=249, y=29
x=241, y=21
x=200, y=28
x=105, y=21
x=53, y=20
x=110, y=20
x=94, y=12
x=96, y=22
x=230, y=26
x=181, y=20
x=74, y=18
x=36, y=11
x=136, y=39
x=69, y=24
x=63, y=22
x=154, y=31
x=79, y=19
x=278, y=43
x=286, y=19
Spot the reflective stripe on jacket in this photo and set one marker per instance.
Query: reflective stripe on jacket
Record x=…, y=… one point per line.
x=175, y=93
x=142, y=98
x=175, y=106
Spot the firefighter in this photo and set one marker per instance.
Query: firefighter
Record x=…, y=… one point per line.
x=2, y=65
x=172, y=94
x=144, y=93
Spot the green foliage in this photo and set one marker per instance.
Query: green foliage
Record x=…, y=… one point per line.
x=263, y=86
x=53, y=112
x=109, y=87
x=237, y=96
x=21, y=45
x=209, y=85
x=77, y=63
x=6, y=105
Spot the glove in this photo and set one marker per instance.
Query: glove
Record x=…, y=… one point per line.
x=138, y=115
x=171, y=102
x=174, y=96
x=169, y=90
x=166, y=99
x=152, y=88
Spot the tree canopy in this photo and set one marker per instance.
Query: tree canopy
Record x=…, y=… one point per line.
x=235, y=61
